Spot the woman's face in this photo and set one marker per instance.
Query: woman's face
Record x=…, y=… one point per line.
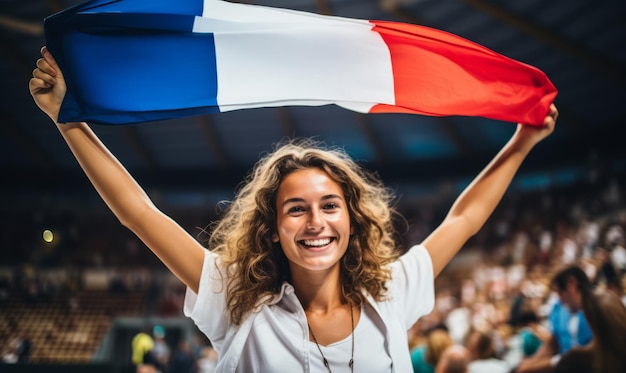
x=313, y=222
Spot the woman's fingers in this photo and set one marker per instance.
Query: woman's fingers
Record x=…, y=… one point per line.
x=45, y=77
x=45, y=67
x=35, y=84
x=553, y=114
x=50, y=61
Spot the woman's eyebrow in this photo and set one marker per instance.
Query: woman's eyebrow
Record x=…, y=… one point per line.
x=299, y=199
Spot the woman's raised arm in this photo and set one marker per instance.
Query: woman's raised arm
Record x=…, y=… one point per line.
x=178, y=250
x=476, y=203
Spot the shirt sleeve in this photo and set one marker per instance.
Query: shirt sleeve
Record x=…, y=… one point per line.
x=412, y=286
x=207, y=308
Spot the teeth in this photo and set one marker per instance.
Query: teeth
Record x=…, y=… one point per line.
x=322, y=242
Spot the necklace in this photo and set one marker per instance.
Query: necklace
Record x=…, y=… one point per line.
x=326, y=364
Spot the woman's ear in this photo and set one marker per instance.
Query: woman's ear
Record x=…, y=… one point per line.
x=275, y=237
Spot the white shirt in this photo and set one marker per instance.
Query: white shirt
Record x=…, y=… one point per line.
x=488, y=366
x=618, y=257
x=369, y=341
x=275, y=337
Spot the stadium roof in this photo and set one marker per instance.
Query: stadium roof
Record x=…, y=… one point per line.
x=580, y=44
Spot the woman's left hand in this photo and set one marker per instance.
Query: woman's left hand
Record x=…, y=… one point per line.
x=534, y=134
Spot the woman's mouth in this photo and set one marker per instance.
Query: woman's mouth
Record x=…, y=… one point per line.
x=320, y=242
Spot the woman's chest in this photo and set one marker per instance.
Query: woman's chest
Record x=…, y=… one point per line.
x=280, y=343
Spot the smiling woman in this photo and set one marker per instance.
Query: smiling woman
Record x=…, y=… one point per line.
x=302, y=273
x=302, y=209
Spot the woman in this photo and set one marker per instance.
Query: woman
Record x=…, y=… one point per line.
x=483, y=356
x=425, y=358
x=606, y=353
x=303, y=272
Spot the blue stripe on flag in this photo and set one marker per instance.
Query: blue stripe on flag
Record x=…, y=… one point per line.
x=107, y=51
x=182, y=7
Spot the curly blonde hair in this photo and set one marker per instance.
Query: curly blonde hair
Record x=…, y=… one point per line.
x=254, y=267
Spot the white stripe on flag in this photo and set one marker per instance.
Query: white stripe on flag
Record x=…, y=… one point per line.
x=295, y=58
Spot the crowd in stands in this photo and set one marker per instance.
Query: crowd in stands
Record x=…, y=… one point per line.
x=549, y=267
x=152, y=354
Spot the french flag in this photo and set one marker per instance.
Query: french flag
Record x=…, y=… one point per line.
x=131, y=61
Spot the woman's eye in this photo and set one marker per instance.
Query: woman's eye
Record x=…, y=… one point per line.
x=295, y=209
x=330, y=206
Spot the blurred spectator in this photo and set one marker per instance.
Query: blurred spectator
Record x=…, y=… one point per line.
x=604, y=270
x=116, y=283
x=483, y=313
x=606, y=353
x=171, y=302
x=614, y=240
x=568, y=326
x=208, y=360
x=533, y=286
x=24, y=349
x=183, y=360
x=141, y=345
x=529, y=335
x=616, y=288
x=146, y=368
x=588, y=235
x=483, y=354
x=425, y=357
x=458, y=320
x=197, y=344
x=454, y=359
x=161, y=350
x=9, y=356
x=566, y=248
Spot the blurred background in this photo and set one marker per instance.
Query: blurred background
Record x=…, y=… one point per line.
x=76, y=287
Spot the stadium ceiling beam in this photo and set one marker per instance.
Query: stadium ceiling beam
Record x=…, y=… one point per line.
x=24, y=27
x=287, y=121
x=323, y=7
x=380, y=156
x=460, y=142
x=599, y=62
x=397, y=10
x=55, y=5
x=207, y=126
x=139, y=146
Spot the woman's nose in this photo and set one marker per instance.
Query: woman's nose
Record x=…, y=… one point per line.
x=315, y=222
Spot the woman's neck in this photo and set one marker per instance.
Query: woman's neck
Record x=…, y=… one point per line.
x=318, y=291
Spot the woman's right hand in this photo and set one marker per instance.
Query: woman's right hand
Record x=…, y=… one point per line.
x=47, y=86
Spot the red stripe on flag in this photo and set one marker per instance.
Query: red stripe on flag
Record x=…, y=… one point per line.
x=438, y=73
